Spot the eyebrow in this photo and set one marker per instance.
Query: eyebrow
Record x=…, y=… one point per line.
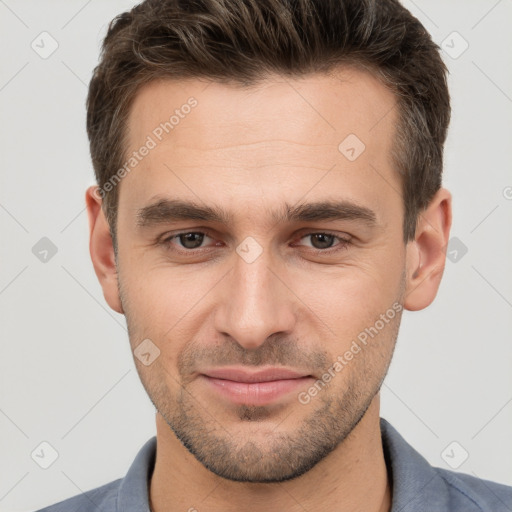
x=165, y=211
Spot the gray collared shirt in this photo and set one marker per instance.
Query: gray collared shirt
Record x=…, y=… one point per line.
x=416, y=485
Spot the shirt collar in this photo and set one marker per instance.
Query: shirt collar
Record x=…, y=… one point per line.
x=415, y=484
x=134, y=489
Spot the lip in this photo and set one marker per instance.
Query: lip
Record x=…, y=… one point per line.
x=260, y=387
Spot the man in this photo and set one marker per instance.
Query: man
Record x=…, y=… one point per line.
x=269, y=200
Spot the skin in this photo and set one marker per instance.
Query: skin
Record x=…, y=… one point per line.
x=250, y=151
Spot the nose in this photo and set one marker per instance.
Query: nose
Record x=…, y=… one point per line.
x=256, y=303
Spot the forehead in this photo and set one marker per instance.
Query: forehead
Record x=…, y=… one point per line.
x=207, y=136
x=346, y=99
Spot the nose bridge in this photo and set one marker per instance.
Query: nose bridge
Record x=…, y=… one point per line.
x=255, y=304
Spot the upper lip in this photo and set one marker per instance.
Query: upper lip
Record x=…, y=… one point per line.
x=244, y=375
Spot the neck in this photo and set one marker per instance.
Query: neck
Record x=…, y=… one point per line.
x=351, y=478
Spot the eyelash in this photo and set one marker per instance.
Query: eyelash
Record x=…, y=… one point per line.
x=342, y=245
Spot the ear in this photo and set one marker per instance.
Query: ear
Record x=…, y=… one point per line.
x=101, y=249
x=426, y=254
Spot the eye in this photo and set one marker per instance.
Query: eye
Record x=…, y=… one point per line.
x=325, y=241
x=189, y=240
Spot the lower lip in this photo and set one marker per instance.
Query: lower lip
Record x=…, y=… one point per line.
x=256, y=393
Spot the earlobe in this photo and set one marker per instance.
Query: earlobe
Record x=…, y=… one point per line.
x=102, y=250
x=426, y=254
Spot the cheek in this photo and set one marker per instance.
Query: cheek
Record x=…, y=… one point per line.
x=351, y=288
x=343, y=302
x=159, y=291
x=167, y=305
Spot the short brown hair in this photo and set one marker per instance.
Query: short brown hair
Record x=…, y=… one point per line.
x=242, y=41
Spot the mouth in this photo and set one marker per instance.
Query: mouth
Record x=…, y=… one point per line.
x=262, y=387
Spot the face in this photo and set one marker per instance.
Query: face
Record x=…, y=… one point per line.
x=260, y=251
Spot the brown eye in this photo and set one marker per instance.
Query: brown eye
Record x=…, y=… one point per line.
x=322, y=240
x=186, y=241
x=191, y=240
x=326, y=242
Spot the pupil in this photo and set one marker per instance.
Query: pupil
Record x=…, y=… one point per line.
x=325, y=240
x=191, y=240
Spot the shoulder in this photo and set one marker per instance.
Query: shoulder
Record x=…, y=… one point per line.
x=128, y=493
x=102, y=498
x=420, y=487
x=468, y=492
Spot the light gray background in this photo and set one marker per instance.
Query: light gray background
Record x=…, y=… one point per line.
x=66, y=373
